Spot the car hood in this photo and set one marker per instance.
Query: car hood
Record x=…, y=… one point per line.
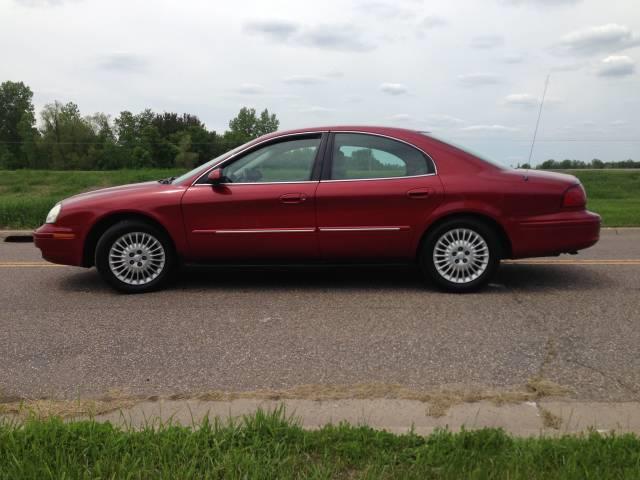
x=106, y=193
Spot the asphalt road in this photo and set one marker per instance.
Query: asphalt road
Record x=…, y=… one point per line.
x=63, y=333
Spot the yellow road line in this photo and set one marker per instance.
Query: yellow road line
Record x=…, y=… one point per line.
x=27, y=264
x=594, y=261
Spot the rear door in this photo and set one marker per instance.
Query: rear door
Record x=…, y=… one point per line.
x=375, y=195
x=265, y=207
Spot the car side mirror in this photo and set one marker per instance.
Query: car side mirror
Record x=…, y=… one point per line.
x=215, y=176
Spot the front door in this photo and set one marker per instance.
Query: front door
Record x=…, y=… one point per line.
x=376, y=197
x=263, y=210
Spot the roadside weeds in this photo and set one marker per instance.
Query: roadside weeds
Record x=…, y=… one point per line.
x=438, y=401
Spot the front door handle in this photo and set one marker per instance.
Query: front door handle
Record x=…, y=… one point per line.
x=293, y=198
x=419, y=193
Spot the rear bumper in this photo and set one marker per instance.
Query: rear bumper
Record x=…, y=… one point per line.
x=59, y=244
x=554, y=234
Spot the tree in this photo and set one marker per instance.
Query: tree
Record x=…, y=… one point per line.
x=65, y=139
x=17, y=120
x=247, y=125
x=267, y=123
x=185, y=158
x=66, y=136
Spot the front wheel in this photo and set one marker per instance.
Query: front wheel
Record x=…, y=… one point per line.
x=460, y=255
x=134, y=257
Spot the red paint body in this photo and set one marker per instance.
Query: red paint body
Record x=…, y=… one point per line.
x=359, y=220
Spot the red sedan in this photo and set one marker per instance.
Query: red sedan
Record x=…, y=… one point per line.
x=336, y=194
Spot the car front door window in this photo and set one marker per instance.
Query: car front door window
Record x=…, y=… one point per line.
x=288, y=161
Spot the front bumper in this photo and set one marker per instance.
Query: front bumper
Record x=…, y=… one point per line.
x=548, y=235
x=60, y=245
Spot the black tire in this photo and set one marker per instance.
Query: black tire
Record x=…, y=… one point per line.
x=460, y=226
x=154, y=281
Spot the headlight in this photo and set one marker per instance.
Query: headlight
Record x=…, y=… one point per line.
x=53, y=213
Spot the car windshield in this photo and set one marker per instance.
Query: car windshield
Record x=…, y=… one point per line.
x=490, y=161
x=205, y=166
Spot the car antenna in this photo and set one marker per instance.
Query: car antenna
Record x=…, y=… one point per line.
x=535, y=132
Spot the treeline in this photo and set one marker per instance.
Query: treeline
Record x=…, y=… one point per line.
x=577, y=164
x=64, y=139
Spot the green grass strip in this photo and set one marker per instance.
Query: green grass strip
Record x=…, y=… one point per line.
x=270, y=445
x=27, y=195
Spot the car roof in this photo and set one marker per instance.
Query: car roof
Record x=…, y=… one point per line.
x=382, y=130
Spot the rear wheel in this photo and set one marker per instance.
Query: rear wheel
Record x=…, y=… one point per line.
x=460, y=255
x=134, y=257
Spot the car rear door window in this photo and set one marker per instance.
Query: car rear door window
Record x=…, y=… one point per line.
x=361, y=156
x=284, y=161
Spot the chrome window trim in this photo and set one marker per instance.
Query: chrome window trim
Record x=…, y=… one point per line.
x=224, y=160
x=435, y=166
x=301, y=230
x=256, y=183
x=361, y=229
x=378, y=178
x=229, y=158
x=256, y=230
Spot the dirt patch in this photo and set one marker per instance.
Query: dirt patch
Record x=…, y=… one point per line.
x=45, y=408
x=438, y=401
x=550, y=420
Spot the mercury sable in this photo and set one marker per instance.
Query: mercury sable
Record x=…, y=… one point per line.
x=334, y=194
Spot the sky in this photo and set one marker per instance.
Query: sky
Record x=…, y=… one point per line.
x=472, y=71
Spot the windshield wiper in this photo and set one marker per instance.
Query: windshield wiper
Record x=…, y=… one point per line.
x=167, y=181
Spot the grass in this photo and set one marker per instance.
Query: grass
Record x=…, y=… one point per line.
x=613, y=194
x=27, y=195
x=272, y=445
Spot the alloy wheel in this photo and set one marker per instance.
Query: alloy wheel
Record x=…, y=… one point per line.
x=136, y=258
x=461, y=255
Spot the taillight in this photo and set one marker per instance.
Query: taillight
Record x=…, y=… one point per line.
x=574, y=197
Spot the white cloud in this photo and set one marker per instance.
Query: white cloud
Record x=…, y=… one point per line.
x=545, y=3
x=487, y=41
x=603, y=38
x=277, y=30
x=44, y=3
x=328, y=36
x=123, y=63
x=443, y=120
x=569, y=67
x=335, y=37
x=512, y=58
x=475, y=79
x=250, y=89
x=619, y=123
x=525, y=100
x=489, y=128
x=433, y=21
x=616, y=66
x=304, y=79
x=383, y=9
x=394, y=88
x=316, y=109
x=401, y=117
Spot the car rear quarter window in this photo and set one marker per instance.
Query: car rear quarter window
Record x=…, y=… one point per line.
x=363, y=156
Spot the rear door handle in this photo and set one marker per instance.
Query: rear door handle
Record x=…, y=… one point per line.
x=419, y=193
x=293, y=198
